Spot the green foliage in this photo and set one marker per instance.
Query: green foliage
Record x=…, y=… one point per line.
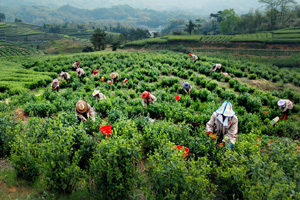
x=114, y=168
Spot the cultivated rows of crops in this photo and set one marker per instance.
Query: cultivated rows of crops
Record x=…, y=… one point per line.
x=279, y=36
x=17, y=51
x=140, y=160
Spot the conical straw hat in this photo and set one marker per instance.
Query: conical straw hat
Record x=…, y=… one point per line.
x=96, y=92
x=81, y=106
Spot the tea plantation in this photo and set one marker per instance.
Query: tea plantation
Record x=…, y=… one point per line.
x=140, y=160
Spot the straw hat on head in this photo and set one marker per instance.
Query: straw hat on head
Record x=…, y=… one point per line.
x=186, y=85
x=113, y=75
x=55, y=81
x=225, y=109
x=96, y=92
x=281, y=102
x=81, y=106
x=145, y=95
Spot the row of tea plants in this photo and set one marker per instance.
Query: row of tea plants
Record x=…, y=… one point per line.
x=140, y=160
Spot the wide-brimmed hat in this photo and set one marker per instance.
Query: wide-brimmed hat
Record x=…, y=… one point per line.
x=81, y=106
x=61, y=73
x=55, y=81
x=96, y=92
x=113, y=75
x=186, y=85
x=281, y=102
x=145, y=95
x=225, y=109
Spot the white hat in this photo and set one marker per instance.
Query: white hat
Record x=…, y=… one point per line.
x=225, y=109
x=281, y=102
x=96, y=92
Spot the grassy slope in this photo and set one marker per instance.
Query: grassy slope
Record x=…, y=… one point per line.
x=283, y=36
x=14, y=77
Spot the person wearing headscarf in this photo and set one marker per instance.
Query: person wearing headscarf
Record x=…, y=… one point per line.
x=76, y=65
x=98, y=95
x=95, y=72
x=148, y=98
x=83, y=111
x=193, y=57
x=187, y=87
x=55, y=85
x=65, y=75
x=216, y=67
x=114, y=77
x=80, y=72
x=285, y=105
x=224, y=124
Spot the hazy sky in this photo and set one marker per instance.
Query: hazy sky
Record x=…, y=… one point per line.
x=206, y=6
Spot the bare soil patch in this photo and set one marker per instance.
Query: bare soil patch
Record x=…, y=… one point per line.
x=21, y=115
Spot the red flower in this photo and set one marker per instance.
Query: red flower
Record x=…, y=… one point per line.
x=24, y=168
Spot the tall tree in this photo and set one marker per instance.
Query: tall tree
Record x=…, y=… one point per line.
x=190, y=27
x=216, y=20
x=2, y=17
x=229, y=21
x=284, y=7
x=98, y=39
x=272, y=13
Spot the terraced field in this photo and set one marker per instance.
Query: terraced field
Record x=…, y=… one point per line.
x=283, y=36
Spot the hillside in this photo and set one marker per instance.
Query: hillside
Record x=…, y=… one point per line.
x=124, y=14
x=289, y=37
x=161, y=149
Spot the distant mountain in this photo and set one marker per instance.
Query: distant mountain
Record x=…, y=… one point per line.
x=107, y=16
x=196, y=6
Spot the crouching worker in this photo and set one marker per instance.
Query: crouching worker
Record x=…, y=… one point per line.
x=187, y=87
x=148, y=98
x=65, y=75
x=95, y=72
x=55, y=85
x=80, y=72
x=285, y=105
x=114, y=77
x=224, y=124
x=215, y=67
x=193, y=57
x=76, y=65
x=98, y=95
x=83, y=111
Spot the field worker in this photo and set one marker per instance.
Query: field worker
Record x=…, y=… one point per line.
x=193, y=57
x=55, y=85
x=187, y=87
x=216, y=67
x=65, y=75
x=285, y=105
x=80, y=72
x=76, y=65
x=95, y=72
x=148, y=98
x=98, y=95
x=114, y=77
x=83, y=111
x=224, y=124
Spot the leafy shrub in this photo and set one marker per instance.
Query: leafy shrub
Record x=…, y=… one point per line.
x=252, y=76
x=114, y=168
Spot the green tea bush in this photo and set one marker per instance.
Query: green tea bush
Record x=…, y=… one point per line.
x=170, y=177
x=114, y=168
x=41, y=109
